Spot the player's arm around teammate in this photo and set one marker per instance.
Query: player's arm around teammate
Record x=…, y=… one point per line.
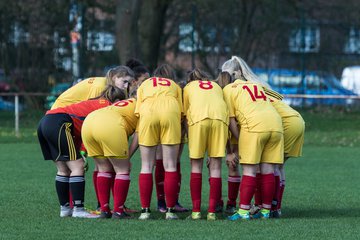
x=159, y=107
x=111, y=152
x=59, y=134
x=207, y=118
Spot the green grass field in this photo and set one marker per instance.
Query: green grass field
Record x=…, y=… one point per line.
x=320, y=202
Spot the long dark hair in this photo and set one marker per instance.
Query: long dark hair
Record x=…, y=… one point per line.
x=137, y=66
x=165, y=71
x=224, y=79
x=197, y=74
x=112, y=94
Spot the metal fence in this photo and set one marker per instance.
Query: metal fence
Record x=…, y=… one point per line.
x=26, y=107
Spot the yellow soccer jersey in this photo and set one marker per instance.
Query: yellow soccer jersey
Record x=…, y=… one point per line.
x=84, y=90
x=226, y=91
x=126, y=110
x=123, y=109
x=273, y=94
x=204, y=100
x=282, y=108
x=154, y=90
x=106, y=131
x=251, y=107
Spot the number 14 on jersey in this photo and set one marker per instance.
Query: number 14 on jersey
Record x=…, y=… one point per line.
x=255, y=93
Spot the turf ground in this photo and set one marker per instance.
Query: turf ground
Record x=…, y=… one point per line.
x=321, y=199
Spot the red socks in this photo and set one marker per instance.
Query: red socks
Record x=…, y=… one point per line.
x=145, y=189
x=275, y=200
x=233, y=189
x=247, y=189
x=159, y=179
x=171, y=188
x=121, y=188
x=195, y=189
x=103, y=183
x=178, y=170
x=113, y=174
x=215, y=193
x=257, y=197
x=267, y=189
x=94, y=178
x=71, y=204
x=281, y=193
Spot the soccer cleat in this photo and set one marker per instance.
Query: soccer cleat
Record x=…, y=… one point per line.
x=104, y=214
x=275, y=213
x=145, y=214
x=240, y=215
x=65, y=211
x=230, y=209
x=179, y=208
x=170, y=214
x=96, y=211
x=161, y=206
x=80, y=212
x=129, y=210
x=219, y=206
x=194, y=216
x=123, y=215
x=263, y=214
x=254, y=209
x=211, y=217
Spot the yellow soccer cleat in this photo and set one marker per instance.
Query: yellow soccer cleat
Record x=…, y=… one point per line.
x=211, y=217
x=195, y=216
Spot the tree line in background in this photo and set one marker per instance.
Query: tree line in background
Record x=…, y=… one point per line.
x=35, y=43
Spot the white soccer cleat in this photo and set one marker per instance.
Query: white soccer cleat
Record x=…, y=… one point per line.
x=80, y=212
x=254, y=209
x=145, y=214
x=170, y=215
x=65, y=211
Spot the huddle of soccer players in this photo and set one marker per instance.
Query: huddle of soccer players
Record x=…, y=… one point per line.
x=245, y=121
